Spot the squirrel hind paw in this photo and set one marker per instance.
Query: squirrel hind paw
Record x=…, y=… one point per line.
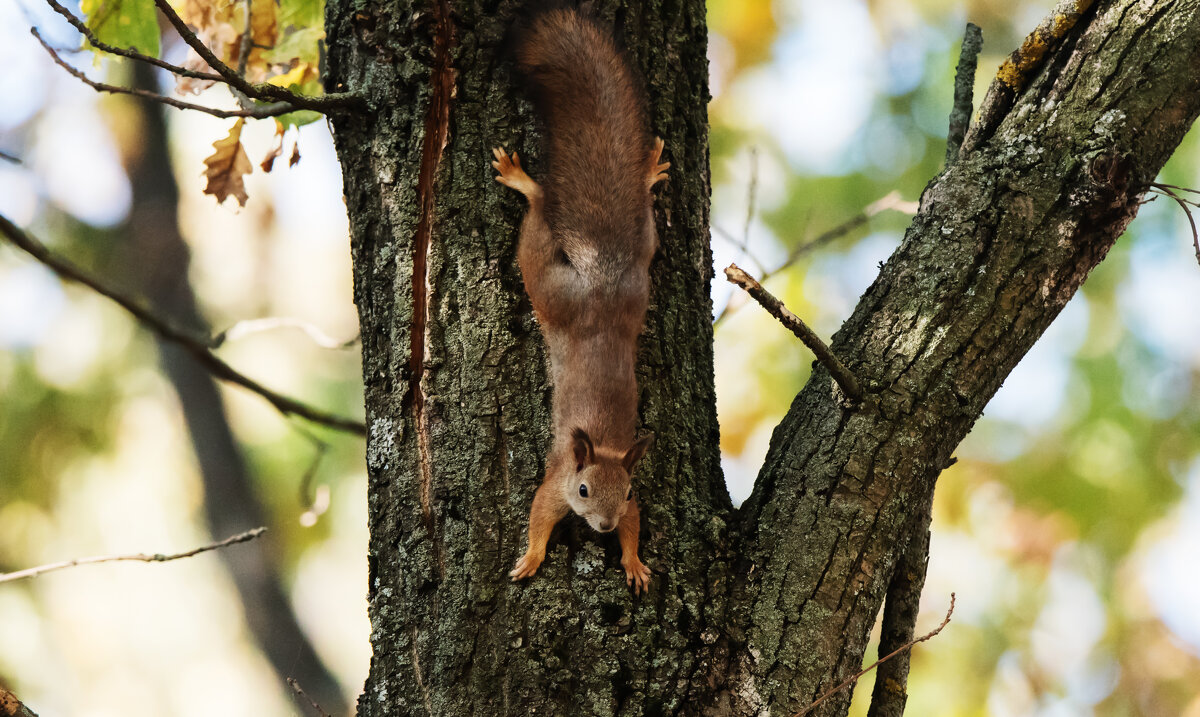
x=512, y=175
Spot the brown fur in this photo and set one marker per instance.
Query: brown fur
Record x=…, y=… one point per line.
x=585, y=249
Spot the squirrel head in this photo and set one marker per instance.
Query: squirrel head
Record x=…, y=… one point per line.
x=599, y=488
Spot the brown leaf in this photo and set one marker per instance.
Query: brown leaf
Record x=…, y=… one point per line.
x=269, y=161
x=295, y=154
x=227, y=166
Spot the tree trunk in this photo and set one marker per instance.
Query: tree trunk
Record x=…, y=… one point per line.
x=755, y=611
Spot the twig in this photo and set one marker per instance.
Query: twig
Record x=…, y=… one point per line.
x=10, y=706
x=1168, y=190
x=964, y=83
x=143, y=557
x=263, y=90
x=846, y=380
x=132, y=54
x=10, y=158
x=751, y=196
x=315, y=503
x=197, y=346
x=891, y=201
x=300, y=693
x=248, y=327
x=853, y=678
x=259, y=112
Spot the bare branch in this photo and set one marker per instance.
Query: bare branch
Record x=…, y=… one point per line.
x=846, y=380
x=259, y=112
x=197, y=346
x=1168, y=190
x=300, y=693
x=142, y=557
x=964, y=83
x=892, y=200
x=99, y=44
x=10, y=158
x=854, y=678
x=262, y=90
x=248, y=327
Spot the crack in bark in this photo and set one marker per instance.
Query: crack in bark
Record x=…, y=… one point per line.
x=437, y=130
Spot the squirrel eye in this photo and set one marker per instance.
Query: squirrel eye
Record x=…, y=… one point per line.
x=629, y=495
x=582, y=490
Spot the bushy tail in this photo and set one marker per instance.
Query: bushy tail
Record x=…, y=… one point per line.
x=595, y=117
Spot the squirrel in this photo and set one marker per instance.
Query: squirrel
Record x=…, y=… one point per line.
x=584, y=252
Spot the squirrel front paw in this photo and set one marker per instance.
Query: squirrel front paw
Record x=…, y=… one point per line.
x=636, y=574
x=526, y=566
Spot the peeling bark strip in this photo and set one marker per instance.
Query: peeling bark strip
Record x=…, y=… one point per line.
x=437, y=129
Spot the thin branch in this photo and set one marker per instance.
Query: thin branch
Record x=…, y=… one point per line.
x=854, y=678
x=262, y=90
x=142, y=557
x=964, y=83
x=259, y=112
x=315, y=503
x=892, y=200
x=247, y=40
x=751, y=197
x=1168, y=190
x=132, y=54
x=248, y=327
x=300, y=693
x=10, y=158
x=846, y=380
x=1175, y=186
x=195, y=345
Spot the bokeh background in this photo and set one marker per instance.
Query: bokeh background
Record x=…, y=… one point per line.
x=1069, y=528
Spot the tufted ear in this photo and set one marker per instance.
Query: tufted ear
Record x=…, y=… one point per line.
x=581, y=444
x=636, y=451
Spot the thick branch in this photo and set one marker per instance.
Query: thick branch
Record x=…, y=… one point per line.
x=846, y=380
x=197, y=346
x=1004, y=238
x=142, y=557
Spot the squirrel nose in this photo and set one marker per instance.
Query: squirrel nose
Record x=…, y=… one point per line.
x=607, y=525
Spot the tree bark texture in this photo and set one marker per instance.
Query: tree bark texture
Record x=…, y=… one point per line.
x=754, y=611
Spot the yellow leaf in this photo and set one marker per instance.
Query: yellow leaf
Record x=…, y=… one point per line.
x=227, y=166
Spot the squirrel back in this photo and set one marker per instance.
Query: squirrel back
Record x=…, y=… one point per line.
x=596, y=128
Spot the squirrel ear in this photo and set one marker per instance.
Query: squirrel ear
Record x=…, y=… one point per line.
x=636, y=451
x=581, y=443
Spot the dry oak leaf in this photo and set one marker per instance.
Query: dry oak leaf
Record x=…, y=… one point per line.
x=227, y=166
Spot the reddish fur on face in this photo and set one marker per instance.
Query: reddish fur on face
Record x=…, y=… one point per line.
x=585, y=250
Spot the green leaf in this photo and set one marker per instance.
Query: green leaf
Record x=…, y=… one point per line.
x=124, y=23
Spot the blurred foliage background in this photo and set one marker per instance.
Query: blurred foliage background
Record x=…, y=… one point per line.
x=1069, y=528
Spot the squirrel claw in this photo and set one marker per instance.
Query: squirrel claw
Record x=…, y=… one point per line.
x=525, y=567
x=637, y=575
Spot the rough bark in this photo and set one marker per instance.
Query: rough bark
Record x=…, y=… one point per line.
x=155, y=259
x=750, y=612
